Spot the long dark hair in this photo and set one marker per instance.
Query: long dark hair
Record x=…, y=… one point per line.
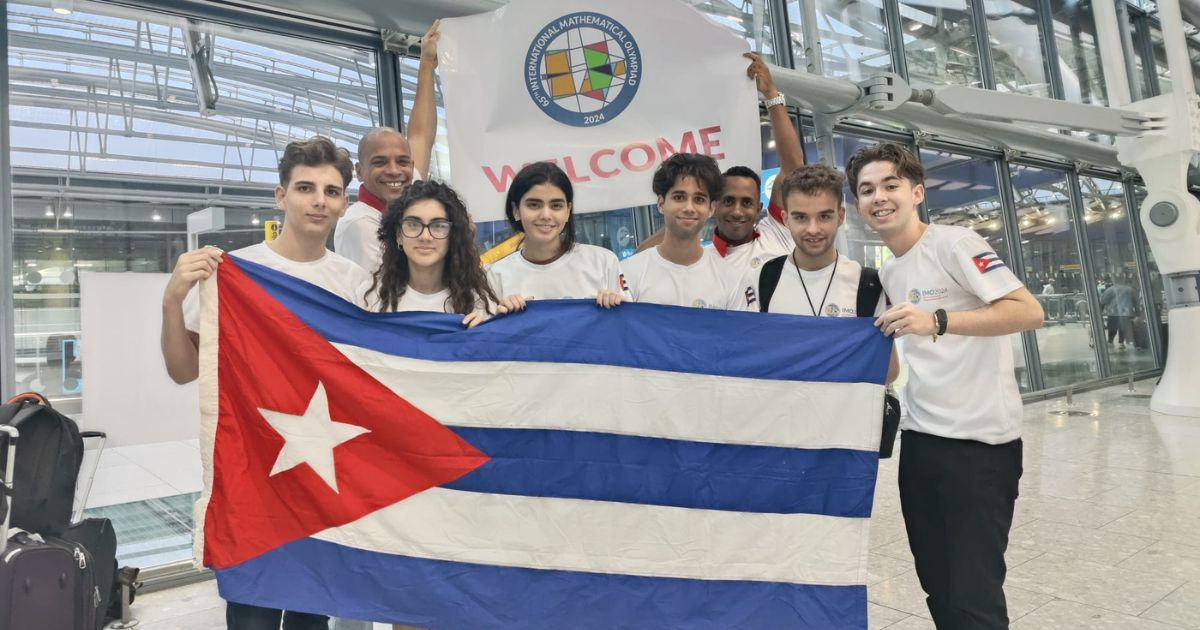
x=461, y=271
x=534, y=175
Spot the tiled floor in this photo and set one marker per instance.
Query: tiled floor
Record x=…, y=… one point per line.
x=1106, y=535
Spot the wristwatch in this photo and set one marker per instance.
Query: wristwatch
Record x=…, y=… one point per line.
x=778, y=99
x=940, y=317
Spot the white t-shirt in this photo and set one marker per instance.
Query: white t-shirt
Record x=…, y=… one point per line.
x=959, y=387
x=414, y=300
x=356, y=236
x=773, y=240
x=579, y=273
x=707, y=283
x=331, y=272
x=789, y=296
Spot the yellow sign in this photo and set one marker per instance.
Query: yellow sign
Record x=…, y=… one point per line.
x=271, y=230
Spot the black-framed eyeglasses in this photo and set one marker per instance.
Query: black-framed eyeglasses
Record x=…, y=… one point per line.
x=438, y=228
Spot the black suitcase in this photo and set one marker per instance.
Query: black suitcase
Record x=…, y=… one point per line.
x=97, y=537
x=45, y=584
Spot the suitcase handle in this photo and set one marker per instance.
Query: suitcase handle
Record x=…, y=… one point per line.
x=30, y=396
x=10, y=449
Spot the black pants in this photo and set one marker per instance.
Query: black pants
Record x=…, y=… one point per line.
x=247, y=617
x=957, y=497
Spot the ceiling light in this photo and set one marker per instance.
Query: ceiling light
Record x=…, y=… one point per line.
x=156, y=216
x=31, y=264
x=49, y=210
x=254, y=220
x=915, y=26
x=62, y=7
x=67, y=213
x=1051, y=221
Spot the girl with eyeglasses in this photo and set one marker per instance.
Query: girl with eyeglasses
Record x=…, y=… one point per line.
x=550, y=264
x=429, y=258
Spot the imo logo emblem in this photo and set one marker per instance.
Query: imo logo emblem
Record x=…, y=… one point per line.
x=583, y=69
x=914, y=296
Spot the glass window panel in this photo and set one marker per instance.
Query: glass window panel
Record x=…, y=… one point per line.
x=1114, y=262
x=1079, y=59
x=1157, y=315
x=111, y=153
x=854, y=37
x=1054, y=273
x=939, y=43
x=962, y=190
x=739, y=17
x=1018, y=50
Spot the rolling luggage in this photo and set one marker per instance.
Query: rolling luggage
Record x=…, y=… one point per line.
x=45, y=583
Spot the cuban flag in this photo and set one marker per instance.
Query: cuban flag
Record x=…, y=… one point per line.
x=987, y=261
x=564, y=467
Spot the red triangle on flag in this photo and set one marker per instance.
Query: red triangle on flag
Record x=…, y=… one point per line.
x=269, y=359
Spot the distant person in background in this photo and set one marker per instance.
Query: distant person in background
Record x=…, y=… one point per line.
x=1118, y=302
x=1047, y=287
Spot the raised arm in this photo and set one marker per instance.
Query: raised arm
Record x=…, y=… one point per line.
x=422, y=123
x=787, y=141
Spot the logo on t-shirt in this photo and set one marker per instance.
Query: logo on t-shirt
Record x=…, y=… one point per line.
x=987, y=261
x=621, y=279
x=832, y=310
x=755, y=262
x=750, y=297
x=699, y=303
x=930, y=295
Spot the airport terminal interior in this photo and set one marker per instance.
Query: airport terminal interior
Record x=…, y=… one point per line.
x=115, y=134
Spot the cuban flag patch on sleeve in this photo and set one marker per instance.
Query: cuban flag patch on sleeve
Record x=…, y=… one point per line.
x=987, y=261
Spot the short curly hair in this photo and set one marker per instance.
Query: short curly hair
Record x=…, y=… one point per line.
x=813, y=179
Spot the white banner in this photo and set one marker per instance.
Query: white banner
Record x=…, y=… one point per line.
x=606, y=90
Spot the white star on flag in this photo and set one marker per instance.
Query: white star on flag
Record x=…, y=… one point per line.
x=310, y=438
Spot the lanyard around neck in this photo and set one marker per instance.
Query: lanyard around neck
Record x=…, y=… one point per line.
x=816, y=311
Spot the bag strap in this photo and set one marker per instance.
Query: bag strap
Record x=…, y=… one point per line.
x=768, y=279
x=869, y=290
x=30, y=396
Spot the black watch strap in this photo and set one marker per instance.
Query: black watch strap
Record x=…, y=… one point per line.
x=942, y=320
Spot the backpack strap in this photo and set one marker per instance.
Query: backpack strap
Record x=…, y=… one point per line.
x=869, y=290
x=768, y=279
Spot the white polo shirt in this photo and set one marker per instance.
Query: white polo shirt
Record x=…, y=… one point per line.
x=959, y=387
x=706, y=283
x=356, y=236
x=839, y=293
x=579, y=273
x=331, y=272
x=771, y=240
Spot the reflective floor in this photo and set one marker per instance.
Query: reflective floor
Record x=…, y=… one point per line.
x=1106, y=535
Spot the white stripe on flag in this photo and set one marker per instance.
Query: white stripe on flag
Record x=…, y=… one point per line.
x=621, y=538
x=599, y=398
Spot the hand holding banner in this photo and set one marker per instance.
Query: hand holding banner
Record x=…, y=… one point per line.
x=605, y=91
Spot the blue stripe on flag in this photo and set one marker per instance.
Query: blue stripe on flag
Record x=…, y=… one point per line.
x=649, y=336
x=655, y=471
x=327, y=578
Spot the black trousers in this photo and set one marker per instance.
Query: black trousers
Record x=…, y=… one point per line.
x=247, y=617
x=957, y=497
